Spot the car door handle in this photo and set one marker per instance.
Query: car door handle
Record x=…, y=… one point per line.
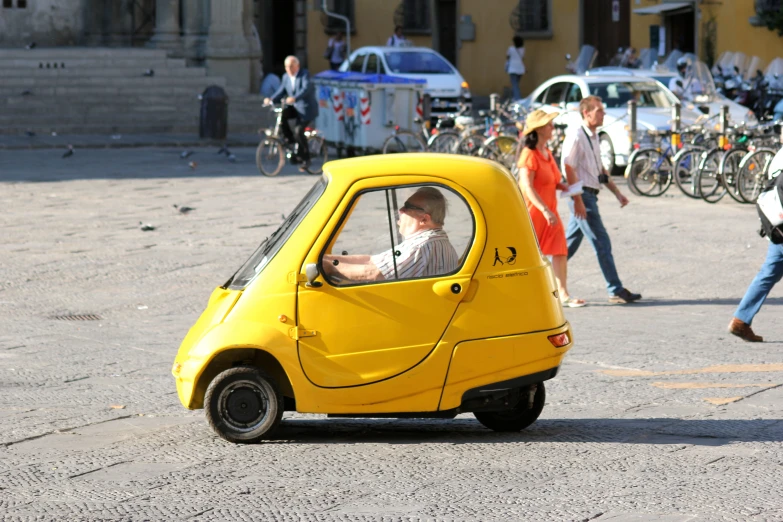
x=453, y=289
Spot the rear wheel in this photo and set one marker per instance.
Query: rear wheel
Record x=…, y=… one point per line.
x=729, y=172
x=518, y=418
x=650, y=173
x=403, y=141
x=752, y=176
x=607, y=153
x=686, y=168
x=501, y=149
x=244, y=405
x=270, y=156
x=471, y=144
x=445, y=142
x=319, y=154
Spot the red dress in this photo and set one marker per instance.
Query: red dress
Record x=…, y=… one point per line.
x=551, y=238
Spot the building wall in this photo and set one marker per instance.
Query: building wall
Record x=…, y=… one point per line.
x=48, y=23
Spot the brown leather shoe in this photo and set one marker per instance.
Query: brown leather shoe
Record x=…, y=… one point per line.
x=743, y=331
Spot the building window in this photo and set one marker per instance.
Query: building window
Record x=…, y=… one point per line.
x=8, y=3
x=416, y=17
x=532, y=18
x=341, y=7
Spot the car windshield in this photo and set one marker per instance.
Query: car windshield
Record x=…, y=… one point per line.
x=272, y=244
x=617, y=94
x=413, y=62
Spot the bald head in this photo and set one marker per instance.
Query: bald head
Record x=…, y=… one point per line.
x=291, y=65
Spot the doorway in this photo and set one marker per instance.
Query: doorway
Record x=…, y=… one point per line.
x=600, y=29
x=680, y=29
x=446, y=23
x=276, y=24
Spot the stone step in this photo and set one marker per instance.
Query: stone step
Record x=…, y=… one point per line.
x=105, y=128
x=21, y=82
x=96, y=90
x=101, y=72
x=40, y=53
x=88, y=63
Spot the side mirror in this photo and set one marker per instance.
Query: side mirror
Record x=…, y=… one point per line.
x=312, y=272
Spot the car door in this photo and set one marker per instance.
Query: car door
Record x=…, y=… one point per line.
x=357, y=331
x=371, y=66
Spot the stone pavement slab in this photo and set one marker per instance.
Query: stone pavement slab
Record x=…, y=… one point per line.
x=657, y=413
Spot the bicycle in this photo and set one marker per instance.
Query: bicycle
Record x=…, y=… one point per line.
x=274, y=149
x=437, y=140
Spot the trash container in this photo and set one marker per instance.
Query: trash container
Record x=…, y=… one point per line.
x=214, y=113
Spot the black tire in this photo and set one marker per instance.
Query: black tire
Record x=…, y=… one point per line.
x=403, y=141
x=244, y=405
x=607, y=153
x=444, y=142
x=501, y=149
x=319, y=154
x=729, y=171
x=753, y=174
x=518, y=418
x=710, y=187
x=270, y=156
x=650, y=173
x=686, y=168
x=471, y=144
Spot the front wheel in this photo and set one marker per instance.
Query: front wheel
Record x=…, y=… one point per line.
x=501, y=149
x=753, y=174
x=403, y=141
x=270, y=156
x=686, y=169
x=709, y=182
x=518, y=418
x=445, y=142
x=244, y=405
x=729, y=171
x=607, y=153
x=650, y=173
x=319, y=154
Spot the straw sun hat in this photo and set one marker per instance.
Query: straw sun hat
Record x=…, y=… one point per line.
x=537, y=119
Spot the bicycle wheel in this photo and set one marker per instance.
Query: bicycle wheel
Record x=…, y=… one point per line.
x=445, y=142
x=403, y=141
x=650, y=174
x=752, y=175
x=319, y=154
x=686, y=168
x=729, y=172
x=270, y=156
x=471, y=144
x=708, y=181
x=501, y=149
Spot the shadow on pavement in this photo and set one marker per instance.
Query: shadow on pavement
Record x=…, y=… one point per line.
x=469, y=431
x=684, y=302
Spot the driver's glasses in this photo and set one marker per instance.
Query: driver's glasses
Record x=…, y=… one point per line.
x=409, y=206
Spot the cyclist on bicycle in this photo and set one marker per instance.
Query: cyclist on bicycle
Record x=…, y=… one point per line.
x=302, y=106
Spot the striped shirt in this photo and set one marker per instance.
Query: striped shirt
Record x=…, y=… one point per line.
x=426, y=253
x=578, y=154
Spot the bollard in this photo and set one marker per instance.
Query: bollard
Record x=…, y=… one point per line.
x=426, y=106
x=632, y=122
x=494, y=98
x=723, y=140
x=676, y=110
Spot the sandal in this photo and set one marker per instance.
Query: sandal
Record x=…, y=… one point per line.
x=572, y=302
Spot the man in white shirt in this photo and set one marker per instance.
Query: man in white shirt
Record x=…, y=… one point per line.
x=425, y=252
x=397, y=39
x=582, y=162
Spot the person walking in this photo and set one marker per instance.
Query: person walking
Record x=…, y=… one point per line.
x=582, y=162
x=770, y=274
x=539, y=178
x=398, y=38
x=335, y=50
x=515, y=66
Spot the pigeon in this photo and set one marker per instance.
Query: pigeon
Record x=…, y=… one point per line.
x=146, y=227
x=27, y=92
x=68, y=153
x=232, y=158
x=185, y=154
x=149, y=72
x=29, y=46
x=224, y=150
x=192, y=165
x=29, y=133
x=183, y=209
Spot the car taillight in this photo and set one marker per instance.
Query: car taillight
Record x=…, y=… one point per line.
x=559, y=340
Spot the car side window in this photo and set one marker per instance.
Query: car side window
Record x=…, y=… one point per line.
x=556, y=93
x=399, y=233
x=372, y=64
x=541, y=97
x=358, y=63
x=574, y=94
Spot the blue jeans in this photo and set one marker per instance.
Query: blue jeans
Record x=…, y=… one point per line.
x=516, y=94
x=771, y=272
x=593, y=229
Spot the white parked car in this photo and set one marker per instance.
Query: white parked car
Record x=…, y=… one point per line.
x=447, y=88
x=707, y=97
x=654, y=108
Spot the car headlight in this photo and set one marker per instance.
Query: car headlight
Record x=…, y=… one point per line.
x=465, y=90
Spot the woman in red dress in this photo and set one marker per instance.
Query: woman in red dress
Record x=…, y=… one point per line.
x=539, y=179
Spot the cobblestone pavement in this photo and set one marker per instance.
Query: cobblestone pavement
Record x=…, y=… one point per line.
x=657, y=413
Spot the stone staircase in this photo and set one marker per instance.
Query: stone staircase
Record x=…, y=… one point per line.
x=104, y=91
